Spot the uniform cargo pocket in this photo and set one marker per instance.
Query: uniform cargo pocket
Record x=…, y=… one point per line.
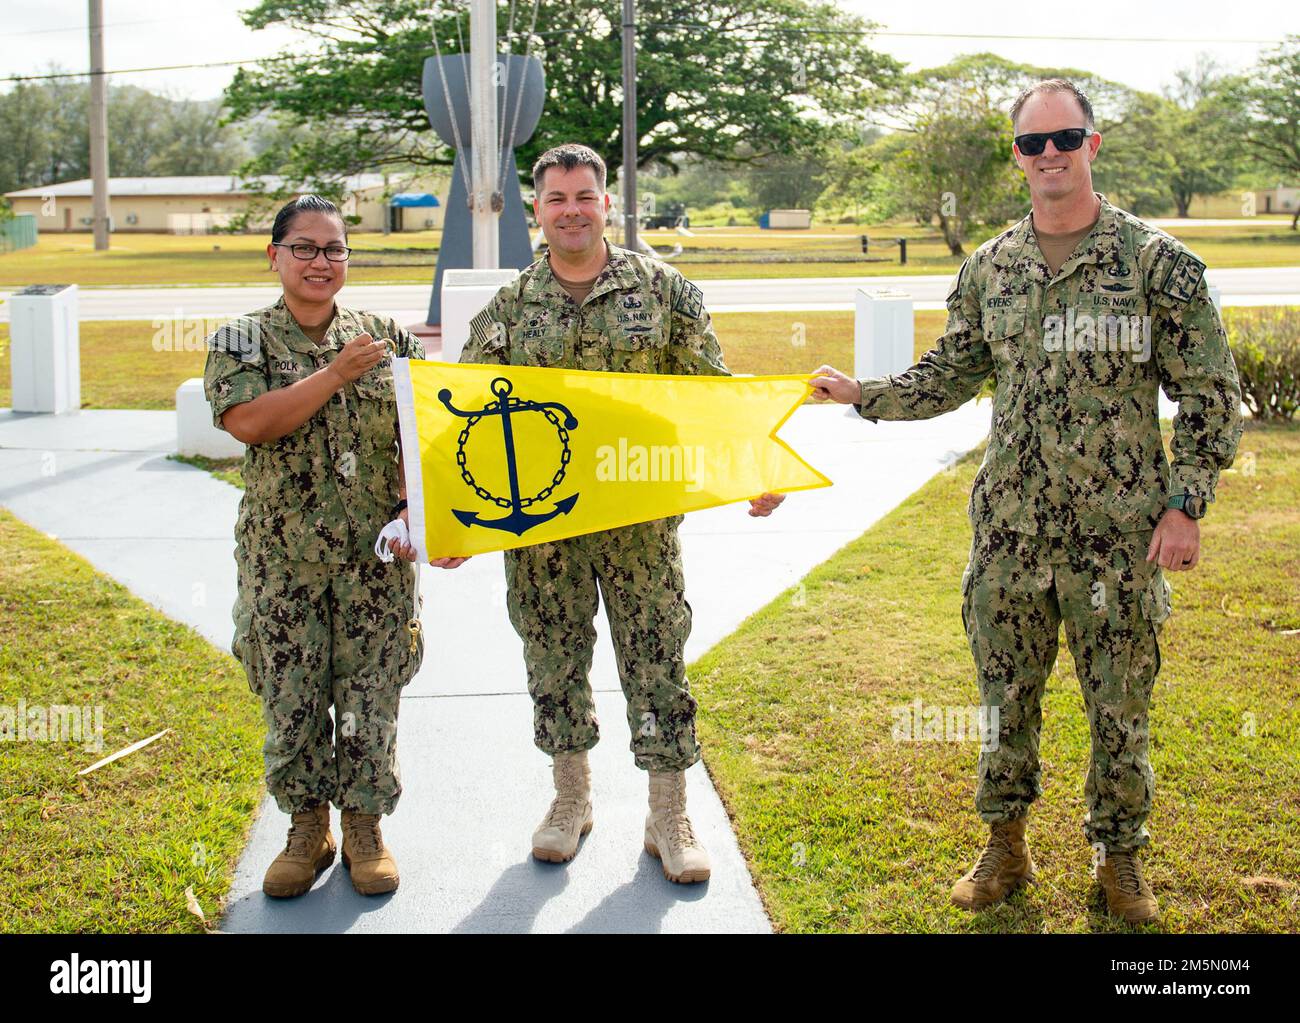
x=1156, y=608
x=1156, y=603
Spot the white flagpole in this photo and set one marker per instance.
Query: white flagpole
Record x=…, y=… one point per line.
x=483, y=125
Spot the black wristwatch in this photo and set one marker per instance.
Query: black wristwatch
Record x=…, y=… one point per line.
x=1189, y=504
x=400, y=507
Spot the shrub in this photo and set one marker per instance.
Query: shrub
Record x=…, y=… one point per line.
x=1266, y=345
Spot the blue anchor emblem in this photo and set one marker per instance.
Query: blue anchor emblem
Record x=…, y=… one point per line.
x=518, y=521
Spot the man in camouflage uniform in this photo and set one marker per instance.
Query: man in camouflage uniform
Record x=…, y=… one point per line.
x=629, y=314
x=1081, y=312
x=319, y=620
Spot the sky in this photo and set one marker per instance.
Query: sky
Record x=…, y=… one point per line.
x=922, y=33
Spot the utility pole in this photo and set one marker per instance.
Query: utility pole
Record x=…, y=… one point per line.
x=486, y=201
x=98, y=128
x=629, y=125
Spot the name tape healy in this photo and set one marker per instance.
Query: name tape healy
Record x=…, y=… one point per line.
x=498, y=457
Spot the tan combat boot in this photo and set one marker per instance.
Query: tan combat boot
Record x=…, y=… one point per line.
x=569, y=818
x=1004, y=864
x=1127, y=894
x=668, y=831
x=374, y=871
x=309, y=850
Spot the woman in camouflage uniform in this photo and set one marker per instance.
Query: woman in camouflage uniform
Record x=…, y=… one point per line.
x=320, y=621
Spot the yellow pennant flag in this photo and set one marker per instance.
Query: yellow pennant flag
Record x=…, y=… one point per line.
x=498, y=457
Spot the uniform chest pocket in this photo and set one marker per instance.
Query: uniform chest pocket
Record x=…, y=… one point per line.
x=1004, y=333
x=376, y=385
x=1004, y=321
x=636, y=337
x=376, y=410
x=637, y=347
x=538, y=346
x=1110, y=339
x=287, y=372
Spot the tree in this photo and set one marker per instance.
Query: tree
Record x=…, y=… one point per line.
x=45, y=128
x=955, y=166
x=1269, y=101
x=950, y=156
x=728, y=80
x=853, y=174
x=193, y=139
x=789, y=181
x=1135, y=166
x=1193, y=134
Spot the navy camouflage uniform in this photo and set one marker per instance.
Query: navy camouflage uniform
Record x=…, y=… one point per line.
x=642, y=316
x=320, y=621
x=1073, y=482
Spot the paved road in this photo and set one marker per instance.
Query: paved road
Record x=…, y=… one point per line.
x=409, y=302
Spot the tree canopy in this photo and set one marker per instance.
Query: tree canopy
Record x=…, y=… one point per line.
x=732, y=81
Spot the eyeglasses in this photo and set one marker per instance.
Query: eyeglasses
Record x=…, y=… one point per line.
x=334, y=253
x=1067, y=140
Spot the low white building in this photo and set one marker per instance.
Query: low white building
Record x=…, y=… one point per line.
x=197, y=204
x=1277, y=200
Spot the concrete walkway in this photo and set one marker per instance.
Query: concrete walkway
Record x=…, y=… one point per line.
x=475, y=786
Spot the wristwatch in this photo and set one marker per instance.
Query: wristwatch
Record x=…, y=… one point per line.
x=1189, y=504
x=399, y=508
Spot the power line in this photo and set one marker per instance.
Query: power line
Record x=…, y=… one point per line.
x=763, y=31
x=140, y=70
x=1083, y=39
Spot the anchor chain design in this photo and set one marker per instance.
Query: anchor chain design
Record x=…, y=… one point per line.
x=518, y=521
x=504, y=502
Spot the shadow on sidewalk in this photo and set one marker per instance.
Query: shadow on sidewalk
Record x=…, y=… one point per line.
x=639, y=906
x=331, y=907
x=515, y=898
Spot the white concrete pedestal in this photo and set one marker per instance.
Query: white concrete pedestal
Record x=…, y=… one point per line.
x=464, y=294
x=45, y=349
x=195, y=434
x=883, y=332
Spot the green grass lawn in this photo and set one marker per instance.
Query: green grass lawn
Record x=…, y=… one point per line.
x=115, y=850
x=120, y=367
x=826, y=250
x=847, y=830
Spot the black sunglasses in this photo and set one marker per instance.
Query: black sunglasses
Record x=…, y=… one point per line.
x=1067, y=140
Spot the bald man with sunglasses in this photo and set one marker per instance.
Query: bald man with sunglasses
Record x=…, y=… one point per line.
x=1081, y=313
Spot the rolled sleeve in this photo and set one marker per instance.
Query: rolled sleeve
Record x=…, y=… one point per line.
x=228, y=382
